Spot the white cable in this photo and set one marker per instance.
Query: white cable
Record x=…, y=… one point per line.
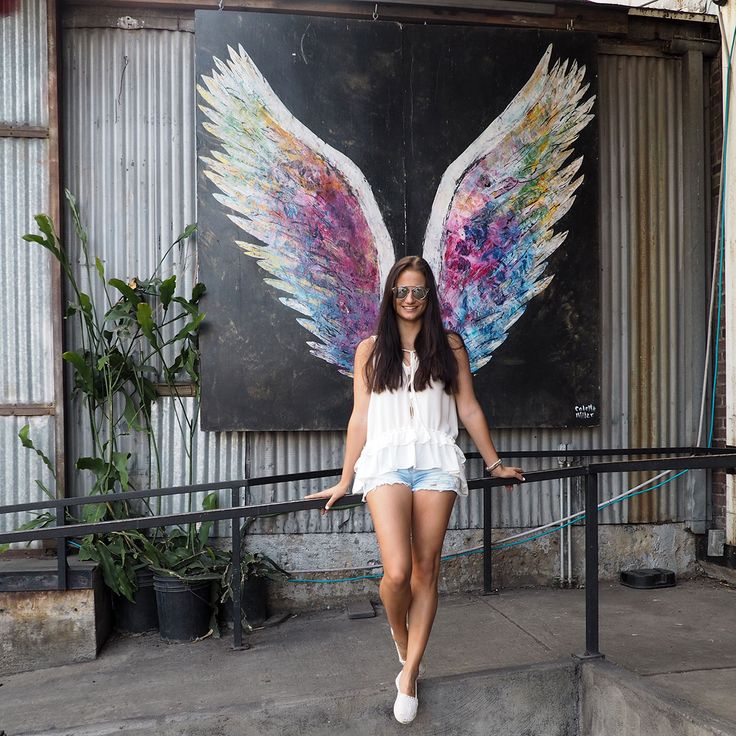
x=581, y=513
x=336, y=569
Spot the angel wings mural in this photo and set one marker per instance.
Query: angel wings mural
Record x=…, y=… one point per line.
x=308, y=216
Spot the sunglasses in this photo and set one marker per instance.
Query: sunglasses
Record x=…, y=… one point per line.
x=418, y=292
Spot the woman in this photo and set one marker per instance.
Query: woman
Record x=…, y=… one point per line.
x=411, y=383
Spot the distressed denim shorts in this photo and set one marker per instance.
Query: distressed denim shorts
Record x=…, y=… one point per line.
x=433, y=479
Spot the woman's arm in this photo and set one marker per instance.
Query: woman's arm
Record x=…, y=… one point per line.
x=472, y=416
x=357, y=428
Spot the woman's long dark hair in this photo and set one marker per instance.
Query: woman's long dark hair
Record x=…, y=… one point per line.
x=437, y=362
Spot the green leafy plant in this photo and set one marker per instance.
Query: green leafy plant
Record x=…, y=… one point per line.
x=46, y=518
x=120, y=555
x=188, y=554
x=142, y=336
x=252, y=565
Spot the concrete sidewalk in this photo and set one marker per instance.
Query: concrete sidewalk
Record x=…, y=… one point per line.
x=682, y=640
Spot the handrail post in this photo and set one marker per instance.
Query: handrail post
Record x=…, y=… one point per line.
x=488, y=588
x=591, y=567
x=62, y=569
x=235, y=564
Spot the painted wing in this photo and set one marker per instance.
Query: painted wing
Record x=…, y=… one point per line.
x=490, y=231
x=313, y=221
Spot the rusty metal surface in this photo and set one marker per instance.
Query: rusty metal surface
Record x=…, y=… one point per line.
x=642, y=163
x=54, y=209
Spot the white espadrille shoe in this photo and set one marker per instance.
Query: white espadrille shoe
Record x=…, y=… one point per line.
x=422, y=668
x=405, y=706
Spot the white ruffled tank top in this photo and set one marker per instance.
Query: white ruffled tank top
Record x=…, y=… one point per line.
x=410, y=429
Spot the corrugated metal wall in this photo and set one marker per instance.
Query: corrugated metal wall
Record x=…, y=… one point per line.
x=25, y=280
x=26, y=372
x=648, y=265
x=130, y=159
x=21, y=468
x=129, y=145
x=24, y=78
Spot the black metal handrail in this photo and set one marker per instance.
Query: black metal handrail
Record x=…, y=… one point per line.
x=699, y=458
x=314, y=474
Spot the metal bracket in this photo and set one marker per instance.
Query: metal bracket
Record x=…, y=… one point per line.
x=588, y=656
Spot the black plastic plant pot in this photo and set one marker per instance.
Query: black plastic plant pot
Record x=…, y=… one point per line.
x=252, y=601
x=183, y=607
x=134, y=618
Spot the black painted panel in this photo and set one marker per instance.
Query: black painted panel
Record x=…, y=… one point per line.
x=391, y=98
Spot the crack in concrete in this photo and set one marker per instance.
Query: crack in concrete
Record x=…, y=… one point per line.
x=484, y=599
x=683, y=672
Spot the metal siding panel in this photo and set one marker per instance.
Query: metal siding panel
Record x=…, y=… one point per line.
x=24, y=64
x=643, y=209
x=129, y=136
x=272, y=453
x=130, y=149
x=615, y=280
x=216, y=456
x=19, y=468
x=26, y=373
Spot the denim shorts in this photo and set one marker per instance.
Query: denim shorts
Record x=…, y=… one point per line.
x=433, y=479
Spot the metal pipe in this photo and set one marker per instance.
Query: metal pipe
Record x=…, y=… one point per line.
x=715, y=460
x=235, y=564
x=568, y=483
x=680, y=463
x=62, y=578
x=487, y=527
x=562, y=534
x=591, y=566
x=562, y=462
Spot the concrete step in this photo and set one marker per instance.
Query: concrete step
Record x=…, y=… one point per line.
x=540, y=699
x=564, y=698
x=616, y=702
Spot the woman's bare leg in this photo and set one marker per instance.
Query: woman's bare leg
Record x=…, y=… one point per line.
x=430, y=516
x=391, y=511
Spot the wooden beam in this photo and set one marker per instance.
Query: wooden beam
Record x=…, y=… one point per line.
x=26, y=410
x=57, y=301
x=178, y=389
x=23, y=131
x=604, y=20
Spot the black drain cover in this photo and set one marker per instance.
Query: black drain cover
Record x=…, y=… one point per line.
x=652, y=577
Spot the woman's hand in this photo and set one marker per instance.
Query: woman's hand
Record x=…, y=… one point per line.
x=508, y=472
x=333, y=494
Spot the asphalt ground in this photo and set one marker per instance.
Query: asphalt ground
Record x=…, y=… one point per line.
x=681, y=639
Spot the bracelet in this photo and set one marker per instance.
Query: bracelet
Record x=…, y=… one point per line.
x=491, y=468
